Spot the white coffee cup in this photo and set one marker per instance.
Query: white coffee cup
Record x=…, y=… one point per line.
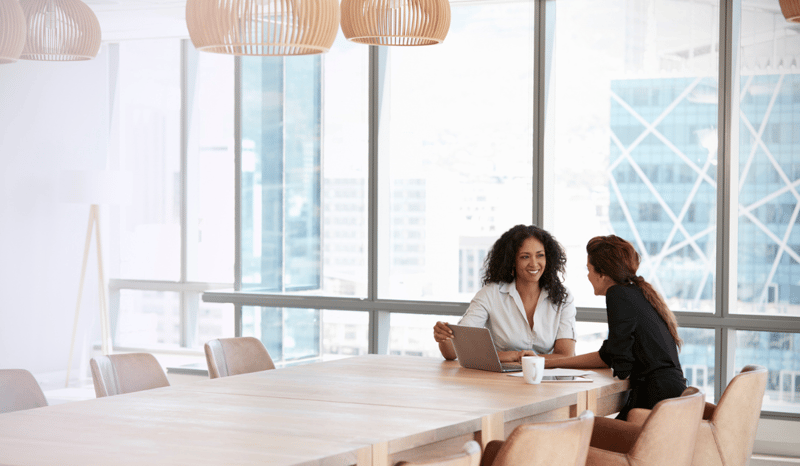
x=532, y=369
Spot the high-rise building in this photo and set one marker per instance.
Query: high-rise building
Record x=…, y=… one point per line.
x=663, y=187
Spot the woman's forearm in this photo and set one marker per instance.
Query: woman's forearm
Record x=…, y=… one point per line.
x=563, y=348
x=582, y=361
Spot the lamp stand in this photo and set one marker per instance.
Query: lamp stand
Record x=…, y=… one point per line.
x=105, y=321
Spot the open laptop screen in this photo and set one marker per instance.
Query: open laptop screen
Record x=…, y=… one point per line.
x=475, y=350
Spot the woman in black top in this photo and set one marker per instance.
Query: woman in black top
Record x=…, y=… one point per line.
x=643, y=336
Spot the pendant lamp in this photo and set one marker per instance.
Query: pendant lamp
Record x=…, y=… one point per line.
x=60, y=30
x=12, y=31
x=396, y=22
x=263, y=27
x=791, y=10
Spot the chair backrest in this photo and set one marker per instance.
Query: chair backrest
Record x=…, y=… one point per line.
x=232, y=356
x=548, y=443
x=469, y=456
x=668, y=435
x=727, y=436
x=125, y=373
x=19, y=390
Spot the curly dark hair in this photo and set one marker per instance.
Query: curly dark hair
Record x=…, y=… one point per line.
x=502, y=260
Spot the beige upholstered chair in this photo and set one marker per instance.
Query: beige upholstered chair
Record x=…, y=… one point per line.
x=666, y=438
x=470, y=456
x=125, y=373
x=232, y=356
x=727, y=432
x=542, y=444
x=19, y=390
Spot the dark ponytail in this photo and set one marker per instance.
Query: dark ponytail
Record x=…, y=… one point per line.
x=613, y=256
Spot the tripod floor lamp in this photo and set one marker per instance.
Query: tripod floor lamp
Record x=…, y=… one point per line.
x=93, y=188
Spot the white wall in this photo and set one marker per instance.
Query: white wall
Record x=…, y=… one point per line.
x=53, y=117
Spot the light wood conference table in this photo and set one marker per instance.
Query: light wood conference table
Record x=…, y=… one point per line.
x=366, y=410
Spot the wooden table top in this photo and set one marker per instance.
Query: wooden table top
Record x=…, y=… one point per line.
x=335, y=412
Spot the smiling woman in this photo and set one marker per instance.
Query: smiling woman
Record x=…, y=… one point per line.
x=523, y=301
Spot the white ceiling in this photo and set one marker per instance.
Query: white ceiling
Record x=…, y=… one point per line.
x=140, y=19
x=149, y=19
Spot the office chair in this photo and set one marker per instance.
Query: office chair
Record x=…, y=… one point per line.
x=232, y=356
x=19, y=390
x=666, y=438
x=125, y=373
x=728, y=430
x=558, y=443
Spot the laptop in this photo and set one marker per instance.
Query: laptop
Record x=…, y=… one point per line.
x=475, y=350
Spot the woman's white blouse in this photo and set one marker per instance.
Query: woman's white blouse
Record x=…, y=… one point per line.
x=498, y=307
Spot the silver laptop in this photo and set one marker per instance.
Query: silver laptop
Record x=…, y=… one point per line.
x=475, y=350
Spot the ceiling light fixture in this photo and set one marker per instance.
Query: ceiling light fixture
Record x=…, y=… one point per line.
x=12, y=31
x=791, y=10
x=60, y=30
x=263, y=27
x=396, y=22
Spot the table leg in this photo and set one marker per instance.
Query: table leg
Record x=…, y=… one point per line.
x=380, y=455
x=492, y=428
x=586, y=400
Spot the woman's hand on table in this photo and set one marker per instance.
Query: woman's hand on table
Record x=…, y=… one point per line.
x=514, y=356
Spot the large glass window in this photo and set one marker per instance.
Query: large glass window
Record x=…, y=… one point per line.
x=412, y=335
x=289, y=335
x=635, y=145
x=697, y=358
x=172, y=132
x=148, y=319
x=777, y=351
x=455, y=149
x=629, y=146
x=769, y=167
x=304, y=172
x=149, y=119
x=210, y=170
x=304, y=196
x=344, y=333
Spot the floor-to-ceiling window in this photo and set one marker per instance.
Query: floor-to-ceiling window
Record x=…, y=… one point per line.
x=172, y=132
x=767, y=277
x=303, y=197
x=453, y=173
x=584, y=117
x=637, y=152
x=635, y=148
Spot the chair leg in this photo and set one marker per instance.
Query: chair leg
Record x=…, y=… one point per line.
x=490, y=452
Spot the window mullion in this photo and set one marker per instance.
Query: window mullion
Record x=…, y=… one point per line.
x=727, y=187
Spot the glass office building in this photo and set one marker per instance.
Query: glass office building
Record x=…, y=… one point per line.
x=662, y=188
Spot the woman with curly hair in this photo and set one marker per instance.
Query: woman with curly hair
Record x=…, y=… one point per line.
x=643, y=339
x=523, y=302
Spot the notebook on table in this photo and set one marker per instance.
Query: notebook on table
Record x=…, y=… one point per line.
x=475, y=350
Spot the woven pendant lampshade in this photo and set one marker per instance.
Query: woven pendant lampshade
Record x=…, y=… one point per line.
x=396, y=22
x=12, y=31
x=263, y=27
x=791, y=10
x=60, y=30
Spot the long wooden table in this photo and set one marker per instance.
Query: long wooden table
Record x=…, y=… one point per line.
x=367, y=410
